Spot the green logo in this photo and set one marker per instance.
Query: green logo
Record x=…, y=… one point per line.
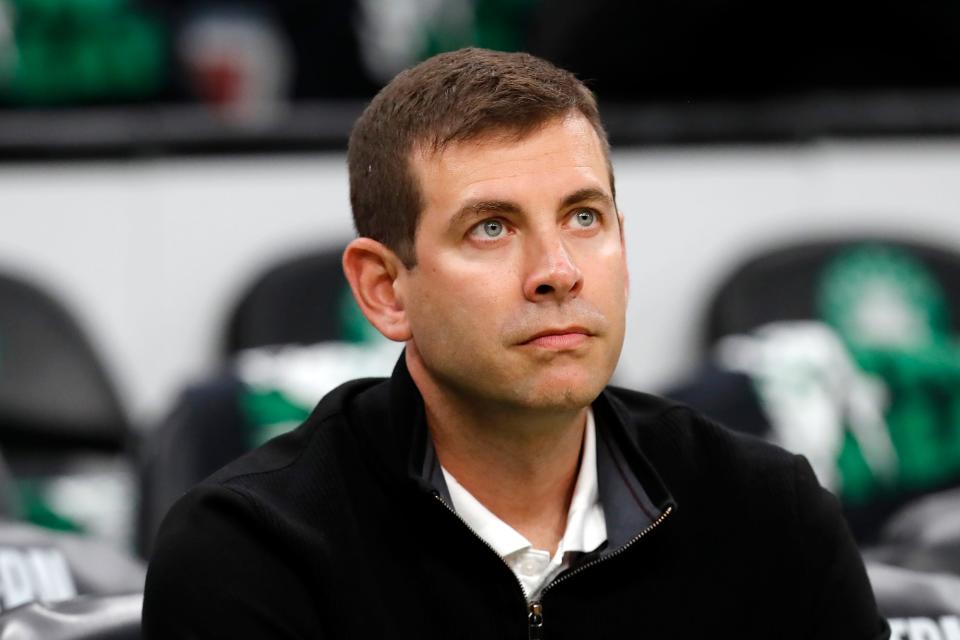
x=894, y=318
x=881, y=296
x=66, y=51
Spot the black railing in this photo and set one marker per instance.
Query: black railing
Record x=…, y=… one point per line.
x=149, y=131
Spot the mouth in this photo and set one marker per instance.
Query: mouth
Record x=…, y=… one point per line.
x=561, y=339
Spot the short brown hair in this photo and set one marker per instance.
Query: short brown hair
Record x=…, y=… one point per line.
x=451, y=97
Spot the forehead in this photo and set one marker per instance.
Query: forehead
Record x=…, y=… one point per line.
x=563, y=154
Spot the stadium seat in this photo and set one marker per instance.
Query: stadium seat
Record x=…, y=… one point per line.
x=915, y=568
x=63, y=430
x=40, y=564
x=296, y=301
x=204, y=431
x=54, y=391
x=782, y=282
x=924, y=535
x=83, y=618
x=905, y=593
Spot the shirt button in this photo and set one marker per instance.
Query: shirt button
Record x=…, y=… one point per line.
x=532, y=565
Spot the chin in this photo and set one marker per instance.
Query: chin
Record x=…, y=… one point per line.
x=562, y=395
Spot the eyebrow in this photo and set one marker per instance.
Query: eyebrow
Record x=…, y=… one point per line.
x=479, y=208
x=583, y=195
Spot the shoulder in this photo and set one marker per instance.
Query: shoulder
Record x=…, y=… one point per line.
x=755, y=500
x=319, y=447
x=251, y=524
x=273, y=488
x=715, y=474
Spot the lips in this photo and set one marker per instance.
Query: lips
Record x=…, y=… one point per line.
x=563, y=338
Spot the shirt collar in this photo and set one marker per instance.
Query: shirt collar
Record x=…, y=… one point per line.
x=585, y=528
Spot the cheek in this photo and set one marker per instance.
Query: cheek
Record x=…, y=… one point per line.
x=609, y=280
x=450, y=310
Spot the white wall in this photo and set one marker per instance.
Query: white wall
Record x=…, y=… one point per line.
x=150, y=254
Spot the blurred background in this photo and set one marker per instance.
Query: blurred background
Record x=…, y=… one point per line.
x=173, y=198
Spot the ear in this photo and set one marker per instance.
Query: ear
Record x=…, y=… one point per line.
x=372, y=269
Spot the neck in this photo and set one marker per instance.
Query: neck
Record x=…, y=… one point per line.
x=520, y=464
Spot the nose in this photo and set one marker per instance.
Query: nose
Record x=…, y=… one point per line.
x=554, y=274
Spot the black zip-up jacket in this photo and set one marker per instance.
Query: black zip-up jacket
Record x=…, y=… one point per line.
x=341, y=529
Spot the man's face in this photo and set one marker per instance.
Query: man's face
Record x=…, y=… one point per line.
x=519, y=293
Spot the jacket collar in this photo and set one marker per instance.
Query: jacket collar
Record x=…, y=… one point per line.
x=631, y=492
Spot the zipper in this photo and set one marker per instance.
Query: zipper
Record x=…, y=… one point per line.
x=535, y=609
x=535, y=616
x=535, y=621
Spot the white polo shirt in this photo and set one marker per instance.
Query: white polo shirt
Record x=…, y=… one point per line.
x=586, y=528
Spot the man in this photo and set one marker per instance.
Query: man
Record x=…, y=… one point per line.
x=492, y=487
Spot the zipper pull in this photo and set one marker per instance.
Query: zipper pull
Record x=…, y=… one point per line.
x=535, y=621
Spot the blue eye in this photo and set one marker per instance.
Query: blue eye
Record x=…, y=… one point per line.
x=492, y=228
x=585, y=217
